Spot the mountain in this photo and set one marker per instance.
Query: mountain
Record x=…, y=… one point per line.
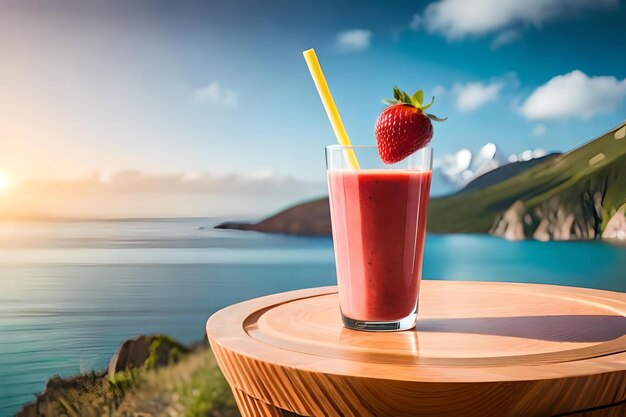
x=456, y=170
x=308, y=219
x=571, y=196
x=503, y=172
x=580, y=194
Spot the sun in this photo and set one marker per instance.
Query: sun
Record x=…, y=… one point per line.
x=5, y=182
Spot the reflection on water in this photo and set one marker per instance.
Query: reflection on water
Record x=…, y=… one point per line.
x=70, y=292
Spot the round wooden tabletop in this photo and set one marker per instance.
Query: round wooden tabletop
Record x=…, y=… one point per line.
x=483, y=349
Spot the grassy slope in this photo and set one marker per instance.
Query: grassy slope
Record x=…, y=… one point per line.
x=193, y=387
x=570, y=176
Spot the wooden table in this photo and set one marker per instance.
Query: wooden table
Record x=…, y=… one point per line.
x=480, y=349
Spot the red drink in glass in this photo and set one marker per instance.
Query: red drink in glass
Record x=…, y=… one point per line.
x=379, y=225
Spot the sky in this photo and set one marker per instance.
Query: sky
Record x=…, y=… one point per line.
x=206, y=108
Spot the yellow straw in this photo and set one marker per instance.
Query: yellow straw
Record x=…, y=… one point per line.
x=329, y=105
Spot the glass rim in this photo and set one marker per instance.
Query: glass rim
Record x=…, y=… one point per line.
x=343, y=147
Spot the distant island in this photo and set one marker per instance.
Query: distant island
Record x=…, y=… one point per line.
x=578, y=195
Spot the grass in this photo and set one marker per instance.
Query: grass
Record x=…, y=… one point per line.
x=205, y=393
x=191, y=387
x=174, y=355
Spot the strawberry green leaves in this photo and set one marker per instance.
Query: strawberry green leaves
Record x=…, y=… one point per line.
x=416, y=100
x=429, y=104
x=401, y=96
x=435, y=118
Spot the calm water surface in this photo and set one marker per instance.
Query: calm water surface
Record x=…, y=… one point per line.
x=70, y=292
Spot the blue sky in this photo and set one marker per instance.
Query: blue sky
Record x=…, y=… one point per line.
x=217, y=92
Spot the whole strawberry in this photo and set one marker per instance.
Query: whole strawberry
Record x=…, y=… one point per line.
x=404, y=127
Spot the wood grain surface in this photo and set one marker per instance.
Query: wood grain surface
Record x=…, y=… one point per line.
x=480, y=349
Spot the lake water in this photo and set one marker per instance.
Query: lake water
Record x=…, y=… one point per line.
x=70, y=292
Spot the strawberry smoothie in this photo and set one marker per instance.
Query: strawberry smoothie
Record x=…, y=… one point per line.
x=379, y=223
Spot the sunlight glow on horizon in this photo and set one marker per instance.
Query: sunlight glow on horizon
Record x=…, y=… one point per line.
x=5, y=182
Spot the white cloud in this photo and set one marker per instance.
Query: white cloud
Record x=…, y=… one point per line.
x=439, y=90
x=416, y=22
x=134, y=193
x=214, y=93
x=456, y=19
x=540, y=130
x=459, y=168
x=473, y=95
x=527, y=155
x=264, y=181
x=354, y=40
x=574, y=95
x=454, y=167
x=506, y=37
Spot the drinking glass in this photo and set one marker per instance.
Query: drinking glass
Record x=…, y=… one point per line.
x=378, y=215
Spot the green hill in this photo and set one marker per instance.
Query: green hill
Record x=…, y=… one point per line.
x=580, y=194
x=570, y=196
